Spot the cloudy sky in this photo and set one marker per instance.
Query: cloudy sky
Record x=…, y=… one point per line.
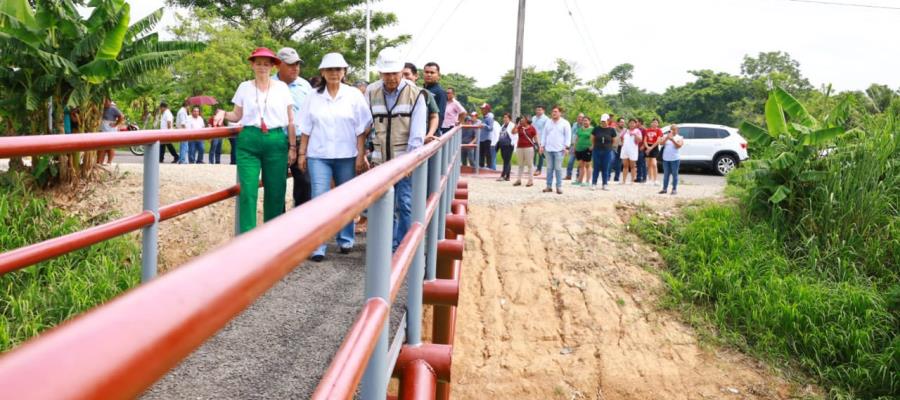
x=849, y=47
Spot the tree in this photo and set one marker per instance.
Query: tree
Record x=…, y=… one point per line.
x=880, y=97
x=711, y=98
x=56, y=58
x=313, y=27
x=775, y=68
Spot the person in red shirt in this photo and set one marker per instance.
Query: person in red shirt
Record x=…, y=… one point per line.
x=651, y=145
x=525, y=146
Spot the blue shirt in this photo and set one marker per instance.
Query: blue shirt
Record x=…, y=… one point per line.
x=488, y=128
x=299, y=89
x=440, y=96
x=539, y=123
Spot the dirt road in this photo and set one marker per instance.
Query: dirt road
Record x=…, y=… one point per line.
x=559, y=301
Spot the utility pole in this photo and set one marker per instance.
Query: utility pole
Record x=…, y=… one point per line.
x=517, y=80
x=368, y=38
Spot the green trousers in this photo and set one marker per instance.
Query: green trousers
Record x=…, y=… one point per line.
x=267, y=152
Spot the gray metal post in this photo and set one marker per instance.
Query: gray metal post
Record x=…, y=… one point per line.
x=150, y=234
x=237, y=206
x=478, y=153
x=378, y=284
x=444, y=203
x=431, y=239
x=416, y=275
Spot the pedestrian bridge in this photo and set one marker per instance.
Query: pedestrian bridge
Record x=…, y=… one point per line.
x=243, y=321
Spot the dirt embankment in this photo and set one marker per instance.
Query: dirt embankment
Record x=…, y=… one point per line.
x=559, y=301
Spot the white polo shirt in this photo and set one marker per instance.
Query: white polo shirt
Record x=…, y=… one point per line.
x=271, y=104
x=333, y=124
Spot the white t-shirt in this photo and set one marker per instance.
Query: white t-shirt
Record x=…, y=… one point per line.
x=181, y=118
x=333, y=124
x=275, y=101
x=164, y=119
x=195, y=123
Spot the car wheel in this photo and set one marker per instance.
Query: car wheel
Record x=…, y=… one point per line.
x=724, y=164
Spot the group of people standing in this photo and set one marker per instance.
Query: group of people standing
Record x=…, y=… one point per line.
x=597, y=150
x=328, y=132
x=190, y=152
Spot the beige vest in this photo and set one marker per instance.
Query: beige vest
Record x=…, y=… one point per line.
x=392, y=125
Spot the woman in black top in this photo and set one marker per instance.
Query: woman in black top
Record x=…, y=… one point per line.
x=506, y=145
x=602, y=140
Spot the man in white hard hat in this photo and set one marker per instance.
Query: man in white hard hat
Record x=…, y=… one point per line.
x=399, y=112
x=289, y=73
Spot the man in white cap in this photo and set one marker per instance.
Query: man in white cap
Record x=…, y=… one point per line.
x=289, y=73
x=399, y=112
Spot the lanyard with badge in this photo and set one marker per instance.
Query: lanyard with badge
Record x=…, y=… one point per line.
x=262, y=110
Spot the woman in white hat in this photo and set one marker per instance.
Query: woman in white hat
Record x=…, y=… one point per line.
x=333, y=124
x=266, y=143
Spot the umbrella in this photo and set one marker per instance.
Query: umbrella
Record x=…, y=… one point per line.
x=202, y=100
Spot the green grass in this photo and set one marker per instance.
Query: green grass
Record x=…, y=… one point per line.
x=737, y=275
x=43, y=295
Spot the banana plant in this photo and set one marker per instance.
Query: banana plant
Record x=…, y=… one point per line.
x=51, y=57
x=795, y=141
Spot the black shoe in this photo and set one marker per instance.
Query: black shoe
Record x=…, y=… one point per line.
x=175, y=161
x=317, y=258
x=346, y=250
x=662, y=192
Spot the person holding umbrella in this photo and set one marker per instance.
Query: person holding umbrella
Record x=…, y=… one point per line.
x=267, y=141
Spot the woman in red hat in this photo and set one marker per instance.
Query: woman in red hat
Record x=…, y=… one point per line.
x=267, y=141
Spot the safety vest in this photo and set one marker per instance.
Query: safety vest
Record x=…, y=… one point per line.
x=392, y=125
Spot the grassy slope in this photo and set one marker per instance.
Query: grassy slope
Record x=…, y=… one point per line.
x=43, y=295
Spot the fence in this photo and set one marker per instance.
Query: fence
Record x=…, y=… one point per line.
x=136, y=338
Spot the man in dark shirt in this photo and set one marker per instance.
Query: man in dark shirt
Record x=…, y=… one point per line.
x=602, y=154
x=432, y=78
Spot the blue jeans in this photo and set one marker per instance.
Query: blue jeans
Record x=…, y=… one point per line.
x=670, y=168
x=215, y=151
x=602, y=163
x=196, y=151
x=554, y=167
x=617, y=163
x=402, y=209
x=321, y=172
x=641, y=166
x=571, y=165
x=183, y=157
x=233, y=149
x=468, y=157
x=539, y=160
x=494, y=158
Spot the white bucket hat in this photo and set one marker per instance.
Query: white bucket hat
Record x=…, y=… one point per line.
x=333, y=60
x=389, y=60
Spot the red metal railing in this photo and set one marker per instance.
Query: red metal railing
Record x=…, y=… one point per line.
x=136, y=338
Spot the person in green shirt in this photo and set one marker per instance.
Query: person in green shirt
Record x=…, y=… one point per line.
x=583, y=151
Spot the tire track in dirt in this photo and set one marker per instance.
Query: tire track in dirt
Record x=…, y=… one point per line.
x=562, y=306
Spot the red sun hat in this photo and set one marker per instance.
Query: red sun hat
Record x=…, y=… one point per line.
x=264, y=52
x=486, y=106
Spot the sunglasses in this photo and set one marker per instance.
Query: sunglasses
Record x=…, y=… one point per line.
x=333, y=69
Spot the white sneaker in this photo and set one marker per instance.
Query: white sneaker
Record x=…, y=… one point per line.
x=593, y=187
x=606, y=187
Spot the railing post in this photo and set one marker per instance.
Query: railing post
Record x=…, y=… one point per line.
x=478, y=154
x=416, y=275
x=444, y=203
x=149, y=235
x=431, y=240
x=378, y=284
x=237, y=205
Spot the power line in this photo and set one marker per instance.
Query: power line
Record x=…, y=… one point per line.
x=581, y=36
x=421, y=31
x=835, y=3
x=441, y=29
x=588, y=33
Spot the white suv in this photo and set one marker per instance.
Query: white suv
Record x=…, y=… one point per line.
x=718, y=147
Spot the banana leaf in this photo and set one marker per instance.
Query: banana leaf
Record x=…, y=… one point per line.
x=775, y=117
